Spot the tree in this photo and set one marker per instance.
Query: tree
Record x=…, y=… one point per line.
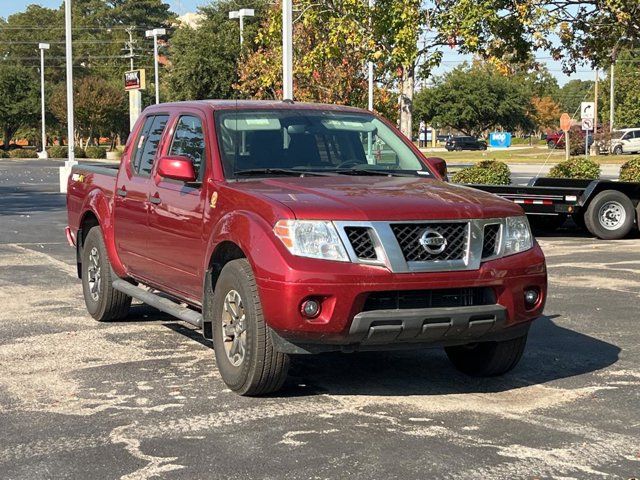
x=204, y=60
x=18, y=99
x=626, y=91
x=473, y=99
x=546, y=113
x=572, y=93
x=99, y=108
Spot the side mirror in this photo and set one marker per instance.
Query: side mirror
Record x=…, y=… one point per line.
x=177, y=168
x=439, y=166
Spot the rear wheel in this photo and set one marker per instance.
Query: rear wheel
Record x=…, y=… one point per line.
x=103, y=302
x=487, y=359
x=610, y=215
x=245, y=355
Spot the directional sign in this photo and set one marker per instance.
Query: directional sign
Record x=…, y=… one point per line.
x=565, y=121
x=587, y=110
x=587, y=124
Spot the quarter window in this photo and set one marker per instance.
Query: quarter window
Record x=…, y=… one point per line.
x=188, y=141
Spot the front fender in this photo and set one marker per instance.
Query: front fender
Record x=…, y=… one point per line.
x=256, y=239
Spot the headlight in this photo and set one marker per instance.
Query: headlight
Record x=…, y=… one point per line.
x=311, y=238
x=517, y=235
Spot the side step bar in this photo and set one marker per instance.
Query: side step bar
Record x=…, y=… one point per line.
x=163, y=304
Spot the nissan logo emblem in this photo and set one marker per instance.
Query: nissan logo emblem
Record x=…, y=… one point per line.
x=432, y=241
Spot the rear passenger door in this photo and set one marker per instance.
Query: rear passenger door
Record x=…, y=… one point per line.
x=131, y=199
x=176, y=212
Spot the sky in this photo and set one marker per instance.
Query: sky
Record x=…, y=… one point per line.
x=451, y=58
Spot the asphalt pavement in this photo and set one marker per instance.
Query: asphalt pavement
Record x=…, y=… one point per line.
x=141, y=398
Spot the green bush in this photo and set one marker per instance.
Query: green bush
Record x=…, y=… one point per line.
x=23, y=153
x=60, y=151
x=630, y=171
x=4, y=153
x=576, y=168
x=487, y=172
x=95, y=152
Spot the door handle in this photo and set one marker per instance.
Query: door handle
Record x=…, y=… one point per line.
x=121, y=192
x=155, y=199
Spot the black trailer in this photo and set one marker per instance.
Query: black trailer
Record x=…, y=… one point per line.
x=609, y=210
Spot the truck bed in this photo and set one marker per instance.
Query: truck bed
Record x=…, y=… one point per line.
x=84, y=183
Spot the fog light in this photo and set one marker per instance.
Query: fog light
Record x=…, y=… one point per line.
x=531, y=297
x=310, y=308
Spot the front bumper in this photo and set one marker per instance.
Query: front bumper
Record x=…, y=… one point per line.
x=345, y=323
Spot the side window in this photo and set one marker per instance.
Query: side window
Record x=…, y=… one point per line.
x=188, y=141
x=138, y=148
x=144, y=164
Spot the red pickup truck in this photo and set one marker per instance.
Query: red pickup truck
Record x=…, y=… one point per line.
x=287, y=228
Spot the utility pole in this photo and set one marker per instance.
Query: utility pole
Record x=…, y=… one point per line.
x=594, y=145
x=43, y=47
x=612, y=98
x=130, y=45
x=370, y=104
x=71, y=157
x=287, y=50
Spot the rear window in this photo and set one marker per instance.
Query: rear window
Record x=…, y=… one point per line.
x=146, y=146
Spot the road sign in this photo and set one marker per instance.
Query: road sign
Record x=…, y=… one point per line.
x=587, y=124
x=134, y=80
x=587, y=110
x=565, y=122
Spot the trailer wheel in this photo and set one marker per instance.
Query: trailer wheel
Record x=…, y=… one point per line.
x=610, y=215
x=246, y=358
x=103, y=302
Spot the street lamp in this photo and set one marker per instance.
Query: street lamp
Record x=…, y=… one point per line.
x=155, y=33
x=287, y=50
x=71, y=156
x=243, y=12
x=370, y=102
x=43, y=47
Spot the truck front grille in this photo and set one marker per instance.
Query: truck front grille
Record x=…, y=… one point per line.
x=451, y=297
x=491, y=240
x=409, y=237
x=362, y=243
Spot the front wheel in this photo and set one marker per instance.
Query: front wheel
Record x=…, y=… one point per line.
x=103, y=302
x=246, y=358
x=617, y=150
x=487, y=359
x=610, y=215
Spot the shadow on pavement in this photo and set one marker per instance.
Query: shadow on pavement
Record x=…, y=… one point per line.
x=552, y=353
x=29, y=200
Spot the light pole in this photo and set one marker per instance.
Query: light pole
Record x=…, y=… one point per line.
x=243, y=12
x=370, y=105
x=155, y=33
x=287, y=50
x=43, y=47
x=71, y=157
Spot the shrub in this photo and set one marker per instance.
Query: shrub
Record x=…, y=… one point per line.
x=487, y=172
x=23, y=153
x=60, y=151
x=4, y=154
x=95, y=152
x=576, y=168
x=630, y=171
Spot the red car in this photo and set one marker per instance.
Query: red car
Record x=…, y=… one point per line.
x=286, y=228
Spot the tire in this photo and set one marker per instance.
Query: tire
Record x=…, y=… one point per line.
x=249, y=365
x=458, y=149
x=610, y=215
x=546, y=223
x=487, y=359
x=617, y=150
x=483, y=146
x=103, y=302
x=551, y=145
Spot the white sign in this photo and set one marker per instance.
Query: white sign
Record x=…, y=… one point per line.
x=587, y=124
x=587, y=110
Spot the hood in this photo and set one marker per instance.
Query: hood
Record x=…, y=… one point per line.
x=375, y=198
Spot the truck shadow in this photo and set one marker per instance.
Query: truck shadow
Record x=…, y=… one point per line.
x=553, y=352
x=23, y=200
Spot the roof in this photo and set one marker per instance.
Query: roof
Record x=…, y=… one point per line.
x=260, y=104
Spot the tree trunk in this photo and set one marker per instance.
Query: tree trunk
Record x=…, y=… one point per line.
x=407, y=85
x=6, y=139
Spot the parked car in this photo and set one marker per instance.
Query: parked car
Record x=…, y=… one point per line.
x=464, y=143
x=626, y=140
x=556, y=139
x=285, y=228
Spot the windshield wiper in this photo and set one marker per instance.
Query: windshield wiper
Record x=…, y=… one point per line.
x=279, y=171
x=374, y=171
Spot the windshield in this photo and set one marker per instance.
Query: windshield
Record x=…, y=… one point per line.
x=269, y=142
x=617, y=134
